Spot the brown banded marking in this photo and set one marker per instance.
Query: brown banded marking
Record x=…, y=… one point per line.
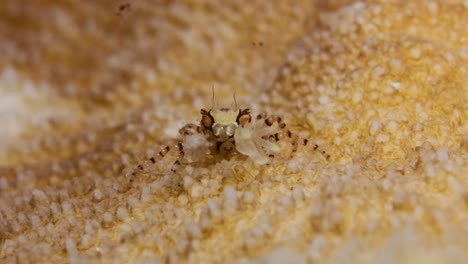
x=262, y=115
x=175, y=166
x=181, y=155
x=272, y=119
x=186, y=130
x=295, y=139
x=123, y=8
x=179, y=147
x=164, y=151
x=190, y=129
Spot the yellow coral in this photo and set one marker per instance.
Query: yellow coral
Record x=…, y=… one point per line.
x=85, y=94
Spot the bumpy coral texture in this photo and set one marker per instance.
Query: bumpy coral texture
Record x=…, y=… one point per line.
x=87, y=94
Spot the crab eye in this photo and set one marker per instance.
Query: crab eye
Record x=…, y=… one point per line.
x=243, y=119
x=207, y=121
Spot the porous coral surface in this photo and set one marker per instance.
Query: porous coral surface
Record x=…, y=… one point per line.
x=88, y=92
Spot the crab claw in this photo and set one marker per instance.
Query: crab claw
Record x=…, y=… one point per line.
x=249, y=142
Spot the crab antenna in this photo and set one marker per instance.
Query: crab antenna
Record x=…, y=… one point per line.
x=212, y=98
x=235, y=101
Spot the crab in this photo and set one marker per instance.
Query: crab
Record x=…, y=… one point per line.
x=229, y=130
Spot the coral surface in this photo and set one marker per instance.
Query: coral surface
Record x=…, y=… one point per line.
x=90, y=89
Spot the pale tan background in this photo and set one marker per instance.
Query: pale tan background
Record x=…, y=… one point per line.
x=86, y=93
